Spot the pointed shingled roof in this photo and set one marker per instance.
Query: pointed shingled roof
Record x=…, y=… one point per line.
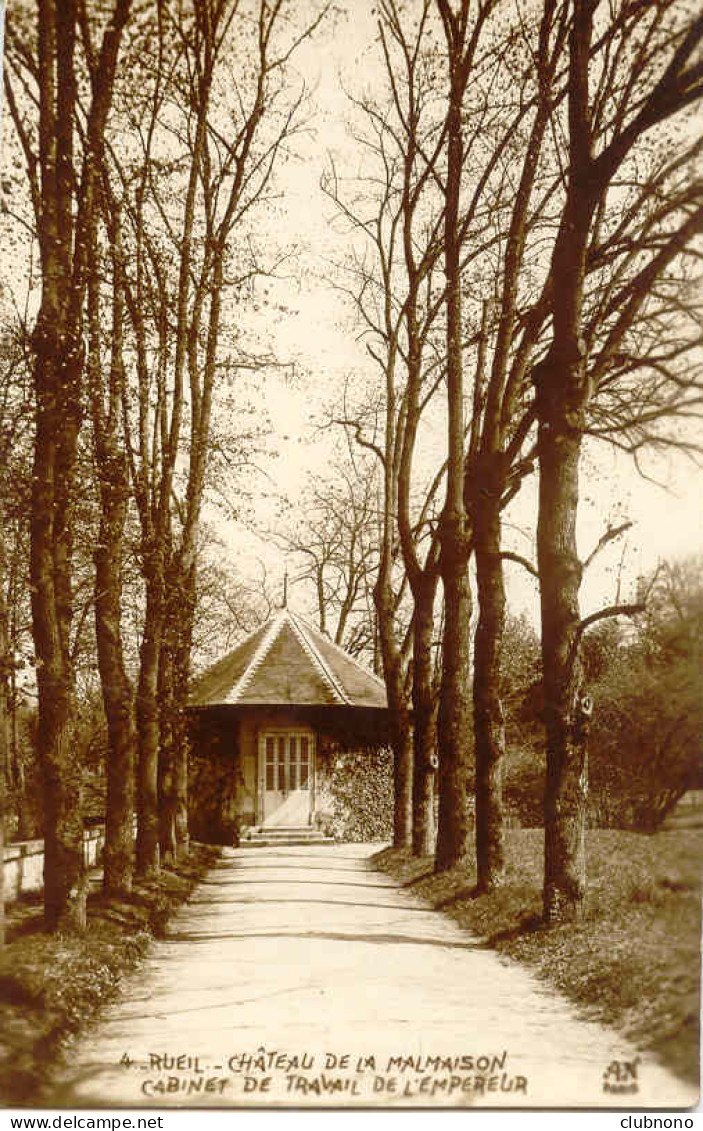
x=287, y=661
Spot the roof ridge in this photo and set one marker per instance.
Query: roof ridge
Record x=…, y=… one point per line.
x=267, y=642
x=347, y=655
x=309, y=646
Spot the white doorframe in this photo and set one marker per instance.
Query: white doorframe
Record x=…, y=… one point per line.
x=286, y=753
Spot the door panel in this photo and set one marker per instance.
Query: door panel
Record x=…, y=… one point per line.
x=287, y=778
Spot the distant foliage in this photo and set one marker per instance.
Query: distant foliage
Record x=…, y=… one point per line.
x=646, y=742
x=521, y=692
x=360, y=785
x=523, y=782
x=647, y=732
x=646, y=737
x=521, y=662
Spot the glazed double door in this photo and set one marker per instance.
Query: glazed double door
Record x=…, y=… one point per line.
x=287, y=765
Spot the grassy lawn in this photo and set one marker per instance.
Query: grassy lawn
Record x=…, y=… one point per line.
x=634, y=961
x=52, y=985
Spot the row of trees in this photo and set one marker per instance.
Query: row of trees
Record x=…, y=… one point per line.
x=522, y=227
x=524, y=232
x=143, y=145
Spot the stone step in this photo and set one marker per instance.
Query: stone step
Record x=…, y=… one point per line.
x=261, y=836
x=292, y=843
x=289, y=843
x=305, y=830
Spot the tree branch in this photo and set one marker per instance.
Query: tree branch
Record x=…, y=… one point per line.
x=610, y=535
x=602, y=614
x=509, y=556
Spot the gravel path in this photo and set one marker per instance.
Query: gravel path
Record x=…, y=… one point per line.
x=301, y=977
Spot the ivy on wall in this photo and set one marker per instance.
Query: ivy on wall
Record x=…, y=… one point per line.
x=214, y=783
x=356, y=794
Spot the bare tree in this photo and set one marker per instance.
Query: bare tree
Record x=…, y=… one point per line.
x=392, y=281
x=45, y=58
x=621, y=293
x=462, y=30
x=333, y=549
x=15, y=465
x=203, y=164
x=648, y=73
x=501, y=421
x=113, y=484
x=4, y=723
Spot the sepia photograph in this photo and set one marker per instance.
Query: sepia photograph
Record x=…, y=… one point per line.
x=351, y=558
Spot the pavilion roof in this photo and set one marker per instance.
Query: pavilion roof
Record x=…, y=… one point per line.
x=288, y=662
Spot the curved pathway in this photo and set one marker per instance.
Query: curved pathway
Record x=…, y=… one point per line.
x=300, y=976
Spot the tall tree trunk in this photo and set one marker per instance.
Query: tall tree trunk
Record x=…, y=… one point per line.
x=173, y=691
x=113, y=476
x=58, y=359
x=118, y=698
x=402, y=739
x=566, y=710
x=181, y=742
x=148, y=726
x=454, y=717
x=454, y=721
x=6, y=663
x=64, y=878
x=424, y=721
x=561, y=396
x=16, y=771
x=64, y=198
x=401, y=725
x=489, y=725
x=166, y=766
x=3, y=811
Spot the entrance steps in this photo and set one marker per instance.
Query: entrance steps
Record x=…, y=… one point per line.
x=261, y=836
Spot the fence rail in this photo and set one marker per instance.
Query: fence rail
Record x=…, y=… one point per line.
x=24, y=862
